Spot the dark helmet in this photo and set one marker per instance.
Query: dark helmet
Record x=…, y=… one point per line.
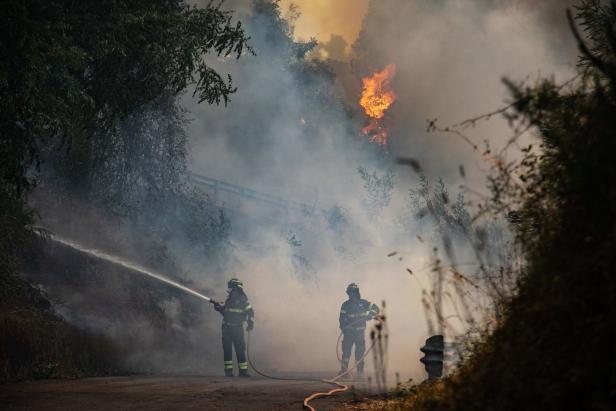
x=235, y=283
x=352, y=289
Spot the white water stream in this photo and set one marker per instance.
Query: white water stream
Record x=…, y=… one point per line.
x=126, y=264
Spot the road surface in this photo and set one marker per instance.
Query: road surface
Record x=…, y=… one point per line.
x=164, y=393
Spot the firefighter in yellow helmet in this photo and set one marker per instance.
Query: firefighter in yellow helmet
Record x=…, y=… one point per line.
x=354, y=314
x=236, y=310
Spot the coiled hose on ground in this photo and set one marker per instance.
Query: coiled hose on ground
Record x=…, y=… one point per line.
x=135, y=268
x=339, y=387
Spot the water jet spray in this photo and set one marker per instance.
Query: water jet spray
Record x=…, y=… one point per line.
x=338, y=387
x=125, y=264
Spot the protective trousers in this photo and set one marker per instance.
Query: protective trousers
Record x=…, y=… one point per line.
x=356, y=338
x=233, y=338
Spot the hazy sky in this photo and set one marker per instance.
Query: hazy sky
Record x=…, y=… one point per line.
x=322, y=18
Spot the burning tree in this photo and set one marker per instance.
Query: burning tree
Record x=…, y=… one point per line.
x=377, y=96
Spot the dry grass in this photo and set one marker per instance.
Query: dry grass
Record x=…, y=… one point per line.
x=403, y=398
x=35, y=343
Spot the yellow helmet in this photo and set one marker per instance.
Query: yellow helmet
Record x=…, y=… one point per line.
x=235, y=283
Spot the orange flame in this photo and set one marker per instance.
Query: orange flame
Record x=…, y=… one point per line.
x=377, y=96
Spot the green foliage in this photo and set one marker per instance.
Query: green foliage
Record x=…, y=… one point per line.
x=473, y=268
x=596, y=19
x=138, y=172
x=274, y=34
x=15, y=221
x=91, y=86
x=135, y=162
x=337, y=218
x=556, y=348
x=191, y=217
x=88, y=96
x=433, y=201
x=72, y=69
x=378, y=188
x=301, y=264
x=279, y=30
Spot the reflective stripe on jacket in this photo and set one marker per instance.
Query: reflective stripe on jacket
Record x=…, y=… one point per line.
x=236, y=311
x=355, y=313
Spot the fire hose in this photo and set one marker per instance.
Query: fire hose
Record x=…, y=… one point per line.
x=339, y=387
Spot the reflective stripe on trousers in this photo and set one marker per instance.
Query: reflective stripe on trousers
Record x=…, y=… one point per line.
x=233, y=339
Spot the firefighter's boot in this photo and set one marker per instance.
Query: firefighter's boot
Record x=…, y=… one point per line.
x=228, y=373
x=243, y=366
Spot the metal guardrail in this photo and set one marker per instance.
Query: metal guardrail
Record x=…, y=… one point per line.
x=217, y=185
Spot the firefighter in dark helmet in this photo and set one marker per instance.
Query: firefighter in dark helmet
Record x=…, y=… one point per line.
x=236, y=310
x=354, y=314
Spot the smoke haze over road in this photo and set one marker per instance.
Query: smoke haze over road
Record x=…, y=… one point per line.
x=293, y=129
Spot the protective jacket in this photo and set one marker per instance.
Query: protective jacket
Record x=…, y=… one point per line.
x=354, y=314
x=235, y=311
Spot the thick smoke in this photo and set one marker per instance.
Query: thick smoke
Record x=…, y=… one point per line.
x=324, y=18
x=275, y=137
x=450, y=58
x=293, y=130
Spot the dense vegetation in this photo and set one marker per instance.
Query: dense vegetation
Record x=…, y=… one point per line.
x=94, y=147
x=88, y=106
x=555, y=347
x=35, y=342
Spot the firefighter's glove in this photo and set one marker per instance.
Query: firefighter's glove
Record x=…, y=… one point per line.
x=250, y=327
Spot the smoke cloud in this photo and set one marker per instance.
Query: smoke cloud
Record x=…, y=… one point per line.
x=450, y=57
x=293, y=130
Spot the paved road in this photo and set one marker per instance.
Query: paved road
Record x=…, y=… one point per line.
x=164, y=393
